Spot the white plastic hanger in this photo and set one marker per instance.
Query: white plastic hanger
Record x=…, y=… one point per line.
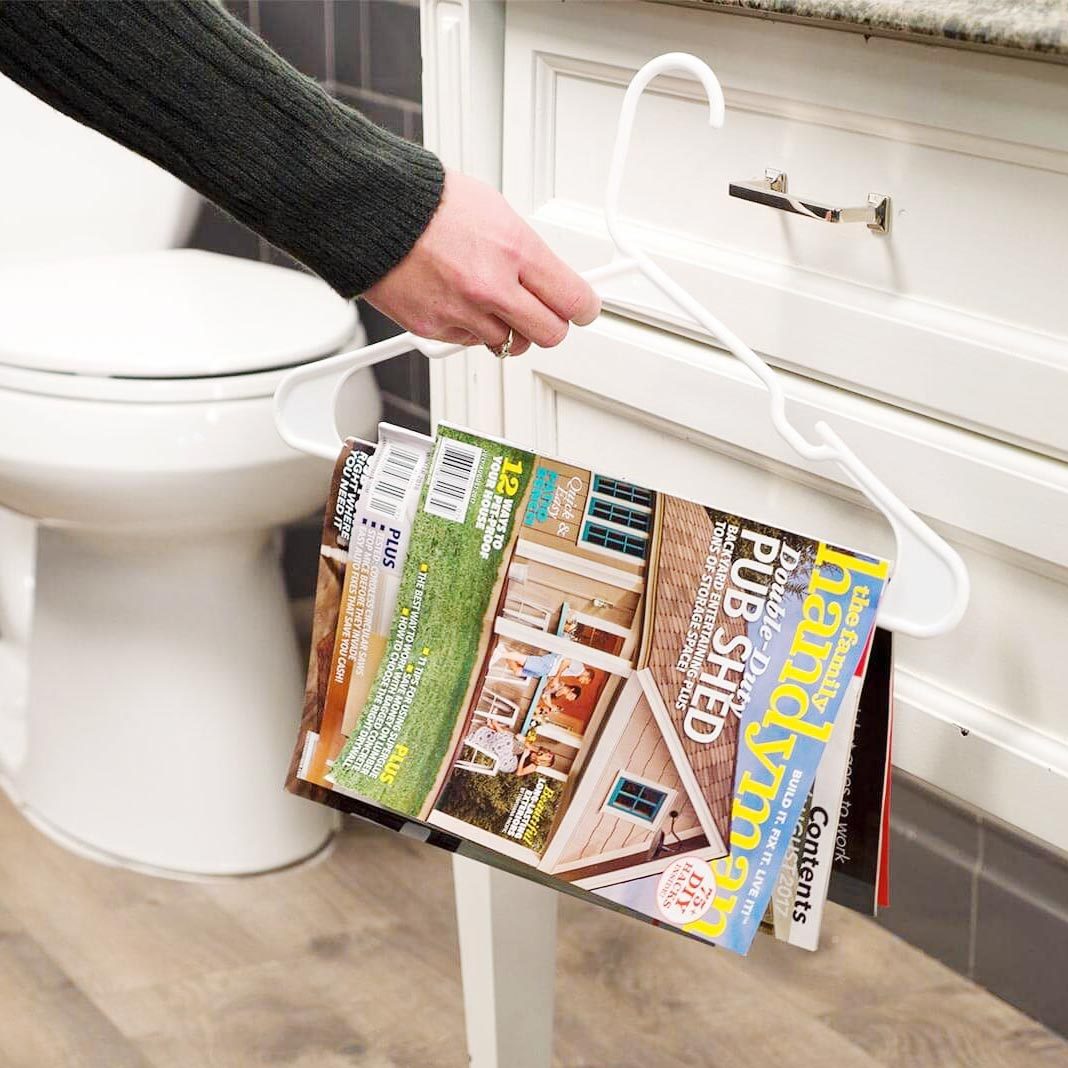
x=928, y=592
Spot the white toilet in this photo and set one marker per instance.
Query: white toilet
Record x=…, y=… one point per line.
x=150, y=682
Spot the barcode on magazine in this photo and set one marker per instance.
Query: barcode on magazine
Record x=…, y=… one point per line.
x=392, y=480
x=452, y=480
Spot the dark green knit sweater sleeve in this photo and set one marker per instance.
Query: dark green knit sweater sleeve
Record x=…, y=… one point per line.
x=188, y=86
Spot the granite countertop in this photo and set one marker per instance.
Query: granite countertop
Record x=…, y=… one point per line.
x=1034, y=28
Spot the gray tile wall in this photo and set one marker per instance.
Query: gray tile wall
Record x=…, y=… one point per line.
x=366, y=52
x=981, y=897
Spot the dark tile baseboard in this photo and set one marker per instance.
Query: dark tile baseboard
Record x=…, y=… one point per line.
x=982, y=897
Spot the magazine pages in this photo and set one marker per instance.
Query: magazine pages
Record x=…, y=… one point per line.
x=835, y=813
x=606, y=686
x=861, y=858
x=315, y=737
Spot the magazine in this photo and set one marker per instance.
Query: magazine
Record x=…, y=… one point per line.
x=861, y=855
x=376, y=518
x=318, y=736
x=611, y=688
x=345, y=490
x=821, y=835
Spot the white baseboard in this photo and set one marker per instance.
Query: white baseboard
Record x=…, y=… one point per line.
x=983, y=757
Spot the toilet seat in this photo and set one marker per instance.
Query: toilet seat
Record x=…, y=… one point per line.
x=149, y=390
x=171, y=326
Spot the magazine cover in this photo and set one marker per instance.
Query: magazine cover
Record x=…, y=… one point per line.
x=576, y=661
x=809, y=625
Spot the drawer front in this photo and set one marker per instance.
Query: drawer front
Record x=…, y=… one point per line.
x=667, y=411
x=959, y=313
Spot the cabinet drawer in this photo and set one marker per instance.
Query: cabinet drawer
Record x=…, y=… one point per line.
x=958, y=313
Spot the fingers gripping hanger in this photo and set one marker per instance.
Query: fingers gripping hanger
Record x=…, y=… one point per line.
x=928, y=592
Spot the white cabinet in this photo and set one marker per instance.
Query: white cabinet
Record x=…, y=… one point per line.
x=939, y=351
x=959, y=313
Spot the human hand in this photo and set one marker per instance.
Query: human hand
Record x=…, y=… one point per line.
x=477, y=271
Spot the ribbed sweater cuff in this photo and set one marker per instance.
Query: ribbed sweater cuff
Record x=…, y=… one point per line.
x=368, y=198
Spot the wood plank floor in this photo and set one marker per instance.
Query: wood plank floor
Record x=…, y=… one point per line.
x=353, y=962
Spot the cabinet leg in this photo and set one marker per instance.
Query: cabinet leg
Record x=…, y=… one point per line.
x=508, y=960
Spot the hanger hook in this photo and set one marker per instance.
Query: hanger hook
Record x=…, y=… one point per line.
x=670, y=61
x=681, y=61
x=935, y=594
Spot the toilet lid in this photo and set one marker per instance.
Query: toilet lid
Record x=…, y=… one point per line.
x=179, y=313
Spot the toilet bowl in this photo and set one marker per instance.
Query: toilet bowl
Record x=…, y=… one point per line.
x=150, y=681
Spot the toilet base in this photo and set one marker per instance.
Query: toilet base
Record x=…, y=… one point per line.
x=165, y=688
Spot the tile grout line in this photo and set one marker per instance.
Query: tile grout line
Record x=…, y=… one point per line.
x=413, y=366
x=254, y=26
x=329, y=46
x=973, y=919
x=363, y=29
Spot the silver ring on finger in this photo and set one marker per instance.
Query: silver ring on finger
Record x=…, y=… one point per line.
x=505, y=349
